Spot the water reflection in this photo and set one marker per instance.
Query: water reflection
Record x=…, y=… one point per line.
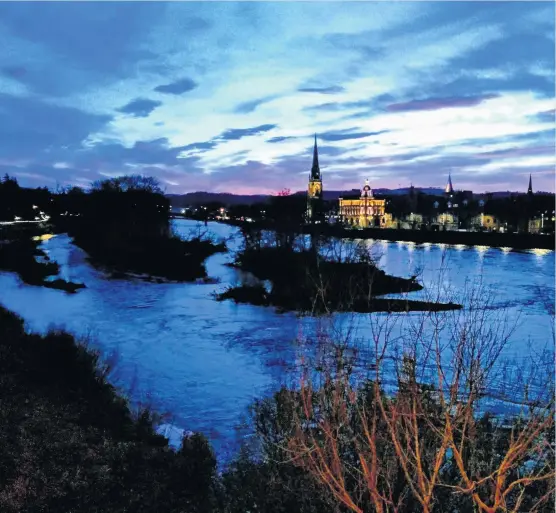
x=205, y=361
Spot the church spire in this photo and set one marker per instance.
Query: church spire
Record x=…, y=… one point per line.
x=530, y=189
x=449, y=187
x=315, y=169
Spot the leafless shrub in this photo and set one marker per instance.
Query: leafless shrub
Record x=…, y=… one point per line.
x=429, y=411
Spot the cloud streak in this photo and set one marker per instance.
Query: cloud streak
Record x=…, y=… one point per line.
x=178, y=87
x=140, y=108
x=439, y=103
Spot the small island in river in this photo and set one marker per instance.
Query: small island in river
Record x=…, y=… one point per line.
x=306, y=282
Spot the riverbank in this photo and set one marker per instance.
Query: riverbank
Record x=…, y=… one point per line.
x=70, y=442
x=491, y=239
x=519, y=241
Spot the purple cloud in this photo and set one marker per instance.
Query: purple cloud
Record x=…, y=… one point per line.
x=439, y=103
x=140, y=108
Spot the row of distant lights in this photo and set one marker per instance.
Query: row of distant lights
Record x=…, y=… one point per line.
x=41, y=217
x=460, y=247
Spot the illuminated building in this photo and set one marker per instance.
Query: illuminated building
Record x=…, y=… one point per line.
x=447, y=221
x=365, y=210
x=485, y=222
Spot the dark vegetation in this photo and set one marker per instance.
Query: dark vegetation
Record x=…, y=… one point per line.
x=304, y=280
x=70, y=442
x=259, y=296
x=16, y=201
x=21, y=256
x=123, y=224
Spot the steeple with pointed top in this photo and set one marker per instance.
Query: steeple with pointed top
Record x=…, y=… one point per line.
x=314, y=196
x=449, y=187
x=315, y=169
x=530, y=189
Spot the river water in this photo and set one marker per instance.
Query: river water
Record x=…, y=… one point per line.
x=205, y=361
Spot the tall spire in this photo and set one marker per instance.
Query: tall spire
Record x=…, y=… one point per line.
x=530, y=189
x=315, y=169
x=449, y=187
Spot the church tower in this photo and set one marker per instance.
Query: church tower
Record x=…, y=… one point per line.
x=314, y=193
x=449, y=190
x=530, y=189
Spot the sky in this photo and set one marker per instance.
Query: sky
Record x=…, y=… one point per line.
x=227, y=96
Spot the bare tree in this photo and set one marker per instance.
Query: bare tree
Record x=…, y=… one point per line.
x=430, y=413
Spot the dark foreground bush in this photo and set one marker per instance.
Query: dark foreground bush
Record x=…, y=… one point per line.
x=69, y=442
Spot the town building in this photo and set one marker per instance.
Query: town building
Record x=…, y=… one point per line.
x=364, y=210
x=485, y=222
x=535, y=225
x=446, y=221
x=315, y=193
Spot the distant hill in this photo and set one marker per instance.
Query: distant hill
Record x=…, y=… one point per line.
x=198, y=198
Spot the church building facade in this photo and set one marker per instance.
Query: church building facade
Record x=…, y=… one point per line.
x=365, y=210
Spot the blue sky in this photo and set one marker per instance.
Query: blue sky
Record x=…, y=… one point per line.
x=225, y=96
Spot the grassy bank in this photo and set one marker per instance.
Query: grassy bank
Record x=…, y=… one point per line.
x=70, y=442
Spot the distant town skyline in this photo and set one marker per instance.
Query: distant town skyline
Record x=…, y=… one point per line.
x=227, y=96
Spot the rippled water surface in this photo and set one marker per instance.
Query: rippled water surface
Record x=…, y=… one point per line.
x=204, y=361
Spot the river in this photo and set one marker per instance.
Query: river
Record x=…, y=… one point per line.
x=205, y=361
